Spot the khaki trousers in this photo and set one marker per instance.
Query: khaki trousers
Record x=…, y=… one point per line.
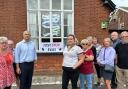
x=122, y=78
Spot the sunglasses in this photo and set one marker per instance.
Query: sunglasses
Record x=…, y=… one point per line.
x=84, y=44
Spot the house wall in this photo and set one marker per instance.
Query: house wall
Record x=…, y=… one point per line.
x=88, y=17
x=122, y=17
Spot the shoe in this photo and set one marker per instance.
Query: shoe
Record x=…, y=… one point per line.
x=113, y=86
x=99, y=84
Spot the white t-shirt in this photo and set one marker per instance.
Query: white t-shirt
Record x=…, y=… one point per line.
x=71, y=57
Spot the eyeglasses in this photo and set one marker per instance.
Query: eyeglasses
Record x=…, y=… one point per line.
x=84, y=44
x=3, y=43
x=123, y=36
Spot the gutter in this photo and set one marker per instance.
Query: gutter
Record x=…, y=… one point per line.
x=109, y=4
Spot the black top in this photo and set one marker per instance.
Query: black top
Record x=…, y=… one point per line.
x=94, y=53
x=122, y=55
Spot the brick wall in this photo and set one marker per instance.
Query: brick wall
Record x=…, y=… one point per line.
x=12, y=18
x=88, y=16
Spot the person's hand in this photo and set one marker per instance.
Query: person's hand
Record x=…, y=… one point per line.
x=74, y=67
x=98, y=63
x=35, y=63
x=86, y=56
x=18, y=71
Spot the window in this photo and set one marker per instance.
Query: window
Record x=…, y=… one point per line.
x=50, y=21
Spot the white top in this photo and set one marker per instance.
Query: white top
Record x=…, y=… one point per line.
x=71, y=57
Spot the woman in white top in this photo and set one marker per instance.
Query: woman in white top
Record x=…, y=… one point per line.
x=72, y=58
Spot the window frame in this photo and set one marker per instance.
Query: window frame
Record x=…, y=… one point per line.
x=50, y=10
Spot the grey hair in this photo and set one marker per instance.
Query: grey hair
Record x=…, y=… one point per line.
x=124, y=33
x=3, y=39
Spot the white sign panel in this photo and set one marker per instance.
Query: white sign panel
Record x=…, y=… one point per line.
x=52, y=47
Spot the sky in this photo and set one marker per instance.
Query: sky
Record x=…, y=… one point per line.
x=121, y=3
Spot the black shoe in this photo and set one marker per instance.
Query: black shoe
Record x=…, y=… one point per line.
x=114, y=86
x=98, y=84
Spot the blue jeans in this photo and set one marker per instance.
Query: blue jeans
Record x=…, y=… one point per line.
x=89, y=80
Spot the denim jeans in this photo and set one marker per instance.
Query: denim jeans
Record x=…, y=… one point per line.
x=89, y=81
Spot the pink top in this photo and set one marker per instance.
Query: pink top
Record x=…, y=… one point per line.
x=7, y=76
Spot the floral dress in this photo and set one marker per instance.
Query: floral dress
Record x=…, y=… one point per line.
x=7, y=77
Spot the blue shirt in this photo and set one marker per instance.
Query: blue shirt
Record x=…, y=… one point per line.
x=25, y=52
x=107, y=56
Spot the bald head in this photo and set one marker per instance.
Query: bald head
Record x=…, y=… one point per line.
x=114, y=35
x=26, y=32
x=10, y=44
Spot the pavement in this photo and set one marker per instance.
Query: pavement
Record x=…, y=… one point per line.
x=51, y=82
x=55, y=86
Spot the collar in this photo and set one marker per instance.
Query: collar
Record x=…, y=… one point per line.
x=26, y=41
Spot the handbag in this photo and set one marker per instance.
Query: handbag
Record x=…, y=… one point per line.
x=109, y=68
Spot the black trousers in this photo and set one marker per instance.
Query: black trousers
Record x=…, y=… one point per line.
x=8, y=87
x=26, y=74
x=69, y=74
x=98, y=69
x=114, y=81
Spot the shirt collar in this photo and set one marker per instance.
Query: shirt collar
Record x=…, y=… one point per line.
x=26, y=41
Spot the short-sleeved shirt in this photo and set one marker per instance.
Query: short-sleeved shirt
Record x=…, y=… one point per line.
x=122, y=55
x=71, y=56
x=87, y=66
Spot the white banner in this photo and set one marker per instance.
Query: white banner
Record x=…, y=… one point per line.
x=52, y=47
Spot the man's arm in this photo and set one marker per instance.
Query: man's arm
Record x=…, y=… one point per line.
x=17, y=58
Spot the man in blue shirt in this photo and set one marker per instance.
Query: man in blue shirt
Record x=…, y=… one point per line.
x=25, y=56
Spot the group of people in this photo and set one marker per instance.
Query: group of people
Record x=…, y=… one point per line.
x=17, y=64
x=81, y=60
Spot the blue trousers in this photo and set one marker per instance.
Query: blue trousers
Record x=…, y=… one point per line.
x=26, y=74
x=89, y=81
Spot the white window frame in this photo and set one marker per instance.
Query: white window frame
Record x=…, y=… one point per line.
x=39, y=22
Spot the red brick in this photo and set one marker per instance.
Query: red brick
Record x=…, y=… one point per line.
x=88, y=17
